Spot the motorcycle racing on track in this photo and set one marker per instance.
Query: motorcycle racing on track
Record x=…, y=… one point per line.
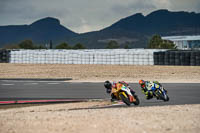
x=153, y=89
x=121, y=91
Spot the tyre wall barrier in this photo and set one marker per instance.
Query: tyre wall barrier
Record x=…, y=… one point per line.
x=178, y=58
x=91, y=56
x=4, y=56
x=102, y=56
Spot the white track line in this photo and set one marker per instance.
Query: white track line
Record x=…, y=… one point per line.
x=53, y=83
x=7, y=84
x=31, y=84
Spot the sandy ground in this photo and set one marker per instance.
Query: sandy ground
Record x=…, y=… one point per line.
x=82, y=118
x=164, y=74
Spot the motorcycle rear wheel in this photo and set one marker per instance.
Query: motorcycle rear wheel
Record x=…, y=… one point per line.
x=137, y=102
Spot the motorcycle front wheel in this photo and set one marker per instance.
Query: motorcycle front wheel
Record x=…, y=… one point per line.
x=166, y=99
x=162, y=97
x=125, y=99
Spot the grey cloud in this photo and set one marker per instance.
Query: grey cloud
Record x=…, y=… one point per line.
x=186, y=5
x=85, y=15
x=134, y=7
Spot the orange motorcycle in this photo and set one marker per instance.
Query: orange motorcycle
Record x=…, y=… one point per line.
x=127, y=95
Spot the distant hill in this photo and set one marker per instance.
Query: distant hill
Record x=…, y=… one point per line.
x=40, y=32
x=137, y=29
x=134, y=30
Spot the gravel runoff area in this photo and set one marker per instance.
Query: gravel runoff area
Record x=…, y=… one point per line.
x=82, y=117
x=91, y=73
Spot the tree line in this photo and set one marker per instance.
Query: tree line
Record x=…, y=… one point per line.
x=28, y=44
x=156, y=42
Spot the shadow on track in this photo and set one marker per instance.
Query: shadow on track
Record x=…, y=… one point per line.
x=123, y=105
x=104, y=107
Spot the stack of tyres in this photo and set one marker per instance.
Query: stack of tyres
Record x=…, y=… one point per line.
x=177, y=58
x=182, y=58
x=7, y=59
x=172, y=58
x=161, y=58
x=4, y=56
x=156, y=58
x=187, y=58
x=166, y=58
x=198, y=58
x=1, y=55
x=193, y=58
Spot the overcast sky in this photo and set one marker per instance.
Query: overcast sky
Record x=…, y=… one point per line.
x=85, y=15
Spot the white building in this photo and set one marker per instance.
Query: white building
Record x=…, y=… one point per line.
x=185, y=42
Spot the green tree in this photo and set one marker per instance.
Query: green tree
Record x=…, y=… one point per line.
x=26, y=44
x=63, y=45
x=79, y=46
x=168, y=45
x=112, y=45
x=156, y=42
x=126, y=46
x=40, y=47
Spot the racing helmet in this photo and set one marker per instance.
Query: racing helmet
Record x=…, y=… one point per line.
x=108, y=86
x=141, y=82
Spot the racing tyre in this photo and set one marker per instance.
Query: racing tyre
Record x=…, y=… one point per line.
x=137, y=102
x=166, y=99
x=160, y=95
x=125, y=99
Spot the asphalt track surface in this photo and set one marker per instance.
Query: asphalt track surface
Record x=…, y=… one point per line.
x=29, y=90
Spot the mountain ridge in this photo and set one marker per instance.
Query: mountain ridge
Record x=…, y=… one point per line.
x=134, y=30
x=40, y=31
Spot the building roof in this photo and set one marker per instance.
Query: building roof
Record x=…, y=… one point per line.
x=181, y=38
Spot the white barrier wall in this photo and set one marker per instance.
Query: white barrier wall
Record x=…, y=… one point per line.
x=97, y=56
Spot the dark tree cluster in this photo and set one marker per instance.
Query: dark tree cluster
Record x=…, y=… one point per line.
x=28, y=44
x=156, y=42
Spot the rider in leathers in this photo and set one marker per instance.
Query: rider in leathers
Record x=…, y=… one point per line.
x=146, y=87
x=115, y=86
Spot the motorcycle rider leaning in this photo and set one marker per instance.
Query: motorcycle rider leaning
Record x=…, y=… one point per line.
x=115, y=86
x=146, y=87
